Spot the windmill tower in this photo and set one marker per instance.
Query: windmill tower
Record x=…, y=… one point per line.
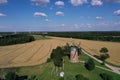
x=74, y=54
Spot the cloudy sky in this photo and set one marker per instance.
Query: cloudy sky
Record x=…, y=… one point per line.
x=59, y=15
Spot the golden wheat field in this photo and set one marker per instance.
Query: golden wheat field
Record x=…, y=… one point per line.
x=37, y=52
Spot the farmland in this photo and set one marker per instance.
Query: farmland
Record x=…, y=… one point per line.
x=37, y=52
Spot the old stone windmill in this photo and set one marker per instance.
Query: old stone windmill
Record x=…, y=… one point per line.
x=74, y=53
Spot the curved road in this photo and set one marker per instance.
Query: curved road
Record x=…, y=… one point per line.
x=113, y=68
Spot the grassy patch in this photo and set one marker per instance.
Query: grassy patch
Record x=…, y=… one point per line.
x=43, y=72
x=40, y=37
x=85, y=58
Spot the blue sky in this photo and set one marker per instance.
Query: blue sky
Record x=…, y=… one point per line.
x=59, y=15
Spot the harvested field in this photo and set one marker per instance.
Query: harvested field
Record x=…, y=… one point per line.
x=37, y=52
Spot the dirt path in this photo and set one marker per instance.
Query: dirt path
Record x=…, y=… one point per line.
x=113, y=68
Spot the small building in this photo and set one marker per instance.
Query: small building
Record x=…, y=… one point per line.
x=74, y=54
x=61, y=74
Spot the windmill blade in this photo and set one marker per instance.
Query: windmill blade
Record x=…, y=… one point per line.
x=79, y=44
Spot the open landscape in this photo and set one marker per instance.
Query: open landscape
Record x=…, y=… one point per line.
x=37, y=52
x=59, y=39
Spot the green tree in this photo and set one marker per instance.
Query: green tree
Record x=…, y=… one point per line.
x=104, y=54
x=103, y=50
x=90, y=65
x=56, y=56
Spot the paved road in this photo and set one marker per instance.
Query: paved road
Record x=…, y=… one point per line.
x=113, y=68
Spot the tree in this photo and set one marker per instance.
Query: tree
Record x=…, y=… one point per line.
x=105, y=76
x=58, y=62
x=103, y=50
x=56, y=56
x=104, y=54
x=90, y=65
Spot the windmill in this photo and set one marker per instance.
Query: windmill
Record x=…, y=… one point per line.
x=75, y=50
x=74, y=54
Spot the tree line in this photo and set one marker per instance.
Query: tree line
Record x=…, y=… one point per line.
x=15, y=39
x=99, y=36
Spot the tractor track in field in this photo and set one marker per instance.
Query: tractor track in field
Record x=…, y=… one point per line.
x=34, y=53
x=46, y=53
x=21, y=53
x=13, y=50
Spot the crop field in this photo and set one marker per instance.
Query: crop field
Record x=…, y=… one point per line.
x=37, y=52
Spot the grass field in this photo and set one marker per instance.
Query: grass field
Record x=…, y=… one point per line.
x=43, y=72
x=40, y=37
x=37, y=52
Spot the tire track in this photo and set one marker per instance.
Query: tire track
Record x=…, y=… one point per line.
x=5, y=60
x=22, y=53
x=13, y=50
x=29, y=59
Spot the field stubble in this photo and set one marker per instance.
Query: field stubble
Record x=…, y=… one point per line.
x=37, y=52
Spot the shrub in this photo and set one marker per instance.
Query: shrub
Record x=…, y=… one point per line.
x=90, y=65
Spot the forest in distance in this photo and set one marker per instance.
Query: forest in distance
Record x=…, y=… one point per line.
x=98, y=36
x=8, y=38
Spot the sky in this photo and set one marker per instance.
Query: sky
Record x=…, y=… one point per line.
x=59, y=15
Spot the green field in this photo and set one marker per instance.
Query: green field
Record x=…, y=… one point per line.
x=44, y=71
x=40, y=37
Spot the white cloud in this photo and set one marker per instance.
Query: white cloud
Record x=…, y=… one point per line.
x=117, y=12
x=40, y=2
x=59, y=13
x=2, y=15
x=99, y=17
x=40, y=14
x=78, y=2
x=59, y=3
x=96, y=3
x=3, y=2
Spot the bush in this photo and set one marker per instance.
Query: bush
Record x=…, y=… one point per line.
x=105, y=76
x=90, y=65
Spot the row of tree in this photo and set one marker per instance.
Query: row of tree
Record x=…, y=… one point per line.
x=100, y=36
x=15, y=39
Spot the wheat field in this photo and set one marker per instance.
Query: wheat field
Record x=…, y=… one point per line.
x=37, y=52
